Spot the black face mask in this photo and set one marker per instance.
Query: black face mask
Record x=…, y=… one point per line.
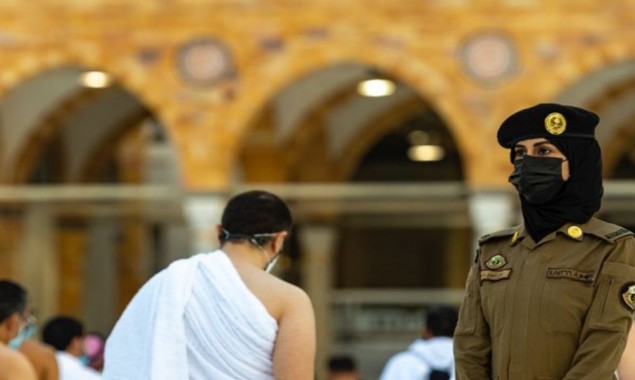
x=537, y=179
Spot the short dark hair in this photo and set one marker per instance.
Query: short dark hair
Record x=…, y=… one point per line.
x=342, y=363
x=12, y=299
x=255, y=212
x=442, y=320
x=60, y=331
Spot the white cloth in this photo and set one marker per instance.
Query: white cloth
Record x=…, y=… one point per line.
x=194, y=320
x=70, y=368
x=420, y=359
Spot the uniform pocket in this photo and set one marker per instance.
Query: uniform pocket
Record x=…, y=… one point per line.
x=493, y=300
x=609, y=311
x=467, y=314
x=563, y=305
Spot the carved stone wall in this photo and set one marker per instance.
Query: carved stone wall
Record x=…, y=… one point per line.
x=552, y=45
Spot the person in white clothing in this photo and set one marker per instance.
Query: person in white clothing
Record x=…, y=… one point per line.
x=66, y=335
x=429, y=357
x=220, y=315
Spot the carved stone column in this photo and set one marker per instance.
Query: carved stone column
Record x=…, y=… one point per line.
x=11, y=223
x=318, y=246
x=37, y=264
x=71, y=237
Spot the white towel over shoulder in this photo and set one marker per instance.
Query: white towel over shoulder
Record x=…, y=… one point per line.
x=194, y=320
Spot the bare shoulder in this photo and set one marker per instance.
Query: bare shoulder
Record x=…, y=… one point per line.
x=277, y=295
x=294, y=294
x=37, y=348
x=15, y=365
x=42, y=357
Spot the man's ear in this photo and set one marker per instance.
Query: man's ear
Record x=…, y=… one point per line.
x=426, y=333
x=14, y=322
x=278, y=241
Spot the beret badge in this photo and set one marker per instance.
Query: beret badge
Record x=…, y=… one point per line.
x=555, y=123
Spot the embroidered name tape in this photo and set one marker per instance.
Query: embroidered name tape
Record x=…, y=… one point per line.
x=495, y=275
x=571, y=274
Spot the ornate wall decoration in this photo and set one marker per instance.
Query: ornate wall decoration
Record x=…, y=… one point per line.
x=489, y=57
x=205, y=61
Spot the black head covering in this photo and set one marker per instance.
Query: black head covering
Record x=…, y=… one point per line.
x=542, y=120
x=581, y=196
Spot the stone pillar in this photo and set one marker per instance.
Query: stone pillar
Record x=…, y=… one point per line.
x=37, y=262
x=131, y=256
x=491, y=211
x=102, y=283
x=71, y=236
x=318, y=248
x=459, y=254
x=203, y=213
x=11, y=222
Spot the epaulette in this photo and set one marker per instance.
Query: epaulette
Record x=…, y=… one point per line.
x=607, y=231
x=496, y=235
x=618, y=234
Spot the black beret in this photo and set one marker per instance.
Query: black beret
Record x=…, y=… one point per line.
x=547, y=120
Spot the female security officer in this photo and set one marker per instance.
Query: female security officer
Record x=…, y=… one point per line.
x=553, y=298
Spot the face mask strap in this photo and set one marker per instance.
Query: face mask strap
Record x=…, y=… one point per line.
x=258, y=241
x=272, y=263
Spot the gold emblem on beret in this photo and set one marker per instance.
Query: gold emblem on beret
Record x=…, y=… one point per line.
x=629, y=296
x=496, y=262
x=574, y=231
x=555, y=123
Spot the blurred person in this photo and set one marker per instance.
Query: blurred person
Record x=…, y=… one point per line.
x=13, y=319
x=42, y=358
x=342, y=367
x=429, y=357
x=626, y=369
x=554, y=297
x=221, y=315
x=94, y=344
x=66, y=335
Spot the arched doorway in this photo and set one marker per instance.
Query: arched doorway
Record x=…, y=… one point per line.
x=376, y=184
x=80, y=152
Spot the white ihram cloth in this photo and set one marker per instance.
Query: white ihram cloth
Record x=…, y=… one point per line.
x=420, y=359
x=70, y=368
x=194, y=320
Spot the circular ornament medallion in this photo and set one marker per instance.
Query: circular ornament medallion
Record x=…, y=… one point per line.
x=204, y=61
x=489, y=57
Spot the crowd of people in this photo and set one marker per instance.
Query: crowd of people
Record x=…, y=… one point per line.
x=552, y=298
x=65, y=351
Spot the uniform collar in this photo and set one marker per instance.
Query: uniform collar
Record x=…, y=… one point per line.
x=573, y=231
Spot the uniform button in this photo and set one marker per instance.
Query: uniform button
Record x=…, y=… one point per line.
x=574, y=231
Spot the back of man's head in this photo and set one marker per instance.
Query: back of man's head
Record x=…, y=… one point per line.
x=256, y=212
x=12, y=299
x=441, y=321
x=342, y=367
x=59, y=332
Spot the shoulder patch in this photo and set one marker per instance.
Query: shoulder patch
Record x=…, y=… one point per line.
x=615, y=235
x=606, y=231
x=497, y=235
x=618, y=233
